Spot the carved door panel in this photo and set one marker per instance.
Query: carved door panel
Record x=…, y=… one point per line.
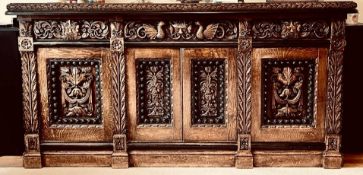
x=288, y=98
x=75, y=94
x=209, y=94
x=154, y=95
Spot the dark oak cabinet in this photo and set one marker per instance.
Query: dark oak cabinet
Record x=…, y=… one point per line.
x=226, y=85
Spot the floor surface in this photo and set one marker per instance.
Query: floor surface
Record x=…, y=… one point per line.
x=180, y=171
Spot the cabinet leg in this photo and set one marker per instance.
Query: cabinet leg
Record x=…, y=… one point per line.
x=32, y=157
x=120, y=158
x=332, y=158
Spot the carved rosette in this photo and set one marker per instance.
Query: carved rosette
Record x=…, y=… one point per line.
x=288, y=90
x=335, y=75
x=180, y=31
x=153, y=92
x=291, y=30
x=244, y=87
x=74, y=88
x=208, y=92
x=25, y=44
x=71, y=30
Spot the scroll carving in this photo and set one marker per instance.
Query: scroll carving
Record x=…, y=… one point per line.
x=208, y=92
x=291, y=30
x=153, y=91
x=118, y=78
x=244, y=88
x=180, y=31
x=335, y=75
x=74, y=93
x=288, y=92
x=71, y=30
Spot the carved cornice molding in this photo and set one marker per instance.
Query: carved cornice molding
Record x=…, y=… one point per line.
x=13, y=8
x=291, y=30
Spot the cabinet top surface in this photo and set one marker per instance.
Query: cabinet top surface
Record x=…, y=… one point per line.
x=135, y=8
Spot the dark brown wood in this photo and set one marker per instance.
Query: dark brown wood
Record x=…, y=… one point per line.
x=244, y=84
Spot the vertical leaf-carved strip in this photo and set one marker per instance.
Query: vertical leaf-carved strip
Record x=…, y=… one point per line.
x=118, y=78
x=335, y=74
x=28, y=62
x=116, y=91
x=244, y=78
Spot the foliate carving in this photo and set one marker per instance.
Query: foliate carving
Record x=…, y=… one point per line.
x=32, y=143
x=30, y=92
x=25, y=29
x=153, y=91
x=333, y=143
x=174, y=7
x=244, y=88
x=288, y=92
x=180, y=31
x=208, y=92
x=74, y=92
x=335, y=75
x=116, y=44
x=118, y=68
x=291, y=30
x=94, y=30
x=244, y=142
x=25, y=43
x=119, y=143
x=71, y=30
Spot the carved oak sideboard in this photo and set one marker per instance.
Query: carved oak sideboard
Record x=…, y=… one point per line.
x=247, y=84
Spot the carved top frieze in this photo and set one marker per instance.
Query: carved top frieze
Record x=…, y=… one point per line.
x=59, y=8
x=291, y=30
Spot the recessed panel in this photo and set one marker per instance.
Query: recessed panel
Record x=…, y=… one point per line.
x=208, y=91
x=74, y=89
x=288, y=92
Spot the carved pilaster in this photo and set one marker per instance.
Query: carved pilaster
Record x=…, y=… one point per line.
x=332, y=155
x=119, y=156
x=32, y=158
x=244, y=157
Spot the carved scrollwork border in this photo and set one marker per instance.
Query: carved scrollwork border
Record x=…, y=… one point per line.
x=71, y=30
x=290, y=29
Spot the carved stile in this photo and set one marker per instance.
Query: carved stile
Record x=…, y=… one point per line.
x=244, y=90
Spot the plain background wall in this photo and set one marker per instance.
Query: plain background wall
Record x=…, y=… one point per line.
x=7, y=19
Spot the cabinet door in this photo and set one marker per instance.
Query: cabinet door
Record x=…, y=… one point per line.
x=75, y=94
x=154, y=95
x=209, y=94
x=288, y=95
